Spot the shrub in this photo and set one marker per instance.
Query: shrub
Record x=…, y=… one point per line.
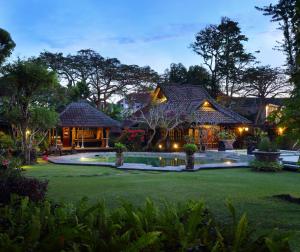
x=265, y=166
x=226, y=135
x=266, y=145
x=26, y=226
x=133, y=139
x=190, y=148
x=120, y=147
x=12, y=182
x=6, y=141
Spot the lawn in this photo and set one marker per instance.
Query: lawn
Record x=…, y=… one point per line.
x=250, y=192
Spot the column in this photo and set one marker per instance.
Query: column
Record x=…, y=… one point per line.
x=107, y=137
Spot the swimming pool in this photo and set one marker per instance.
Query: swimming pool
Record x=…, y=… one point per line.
x=156, y=160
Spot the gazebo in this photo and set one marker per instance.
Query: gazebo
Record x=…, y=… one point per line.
x=81, y=126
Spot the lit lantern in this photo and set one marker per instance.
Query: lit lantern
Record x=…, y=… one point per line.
x=280, y=131
x=240, y=129
x=175, y=146
x=246, y=129
x=160, y=146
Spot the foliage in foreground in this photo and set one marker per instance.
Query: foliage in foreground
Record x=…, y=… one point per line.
x=26, y=226
x=13, y=182
x=266, y=166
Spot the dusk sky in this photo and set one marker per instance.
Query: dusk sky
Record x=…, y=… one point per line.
x=154, y=33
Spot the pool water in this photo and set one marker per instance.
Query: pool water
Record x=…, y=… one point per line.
x=156, y=161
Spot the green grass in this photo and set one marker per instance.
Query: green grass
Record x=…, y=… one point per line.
x=250, y=192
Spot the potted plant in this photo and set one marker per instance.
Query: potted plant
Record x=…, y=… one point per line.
x=267, y=151
x=226, y=140
x=120, y=148
x=190, y=149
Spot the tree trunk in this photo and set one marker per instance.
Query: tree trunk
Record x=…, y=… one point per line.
x=150, y=140
x=26, y=148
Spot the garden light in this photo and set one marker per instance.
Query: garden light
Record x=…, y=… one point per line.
x=175, y=145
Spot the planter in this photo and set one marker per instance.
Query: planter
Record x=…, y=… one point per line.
x=266, y=156
x=190, y=161
x=226, y=144
x=119, y=159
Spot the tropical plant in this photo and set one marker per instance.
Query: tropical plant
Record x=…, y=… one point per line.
x=26, y=226
x=226, y=135
x=120, y=147
x=6, y=141
x=190, y=148
x=266, y=145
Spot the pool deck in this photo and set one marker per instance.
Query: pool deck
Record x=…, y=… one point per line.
x=74, y=159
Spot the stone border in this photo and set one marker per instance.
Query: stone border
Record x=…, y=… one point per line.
x=74, y=159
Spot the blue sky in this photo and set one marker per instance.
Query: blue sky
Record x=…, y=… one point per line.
x=152, y=32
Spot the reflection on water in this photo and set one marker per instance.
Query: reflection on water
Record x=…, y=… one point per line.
x=156, y=161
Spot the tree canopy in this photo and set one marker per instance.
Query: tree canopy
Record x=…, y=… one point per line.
x=97, y=78
x=24, y=84
x=284, y=13
x=222, y=50
x=6, y=45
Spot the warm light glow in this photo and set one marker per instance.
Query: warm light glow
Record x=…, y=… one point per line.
x=228, y=162
x=242, y=129
x=28, y=132
x=175, y=145
x=280, y=130
x=159, y=146
x=206, y=103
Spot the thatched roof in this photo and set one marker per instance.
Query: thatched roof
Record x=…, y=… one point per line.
x=190, y=99
x=82, y=114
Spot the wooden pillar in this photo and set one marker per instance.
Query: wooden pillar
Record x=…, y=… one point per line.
x=73, y=136
x=103, y=142
x=82, y=143
x=107, y=137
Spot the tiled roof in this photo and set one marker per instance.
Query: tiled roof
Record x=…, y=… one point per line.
x=82, y=114
x=189, y=99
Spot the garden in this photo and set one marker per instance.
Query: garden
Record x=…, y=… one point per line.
x=183, y=201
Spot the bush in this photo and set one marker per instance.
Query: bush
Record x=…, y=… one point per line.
x=226, y=135
x=12, y=182
x=6, y=141
x=265, y=166
x=190, y=148
x=133, y=139
x=266, y=145
x=187, y=227
x=120, y=147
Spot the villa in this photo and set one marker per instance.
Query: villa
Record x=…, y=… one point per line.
x=209, y=116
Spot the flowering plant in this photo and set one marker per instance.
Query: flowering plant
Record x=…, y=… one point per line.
x=133, y=139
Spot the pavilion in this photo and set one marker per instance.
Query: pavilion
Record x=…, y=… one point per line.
x=82, y=127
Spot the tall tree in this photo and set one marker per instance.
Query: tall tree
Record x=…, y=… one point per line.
x=284, y=13
x=198, y=75
x=104, y=77
x=264, y=82
x=177, y=73
x=291, y=114
x=222, y=50
x=24, y=83
x=6, y=45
